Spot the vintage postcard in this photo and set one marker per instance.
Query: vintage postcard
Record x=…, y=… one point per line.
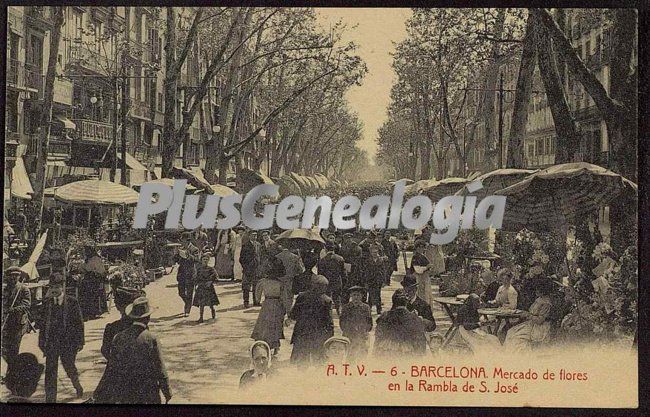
x=320, y=206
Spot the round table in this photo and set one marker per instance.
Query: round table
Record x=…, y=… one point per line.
x=500, y=314
x=447, y=303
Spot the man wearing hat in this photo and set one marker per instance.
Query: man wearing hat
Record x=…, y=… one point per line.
x=392, y=253
x=331, y=267
x=123, y=297
x=312, y=314
x=22, y=378
x=187, y=258
x=356, y=323
x=415, y=303
x=136, y=370
x=61, y=336
x=16, y=302
x=250, y=260
x=336, y=349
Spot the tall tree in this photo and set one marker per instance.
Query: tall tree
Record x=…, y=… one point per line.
x=57, y=16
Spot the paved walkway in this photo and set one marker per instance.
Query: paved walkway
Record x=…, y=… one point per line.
x=204, y=361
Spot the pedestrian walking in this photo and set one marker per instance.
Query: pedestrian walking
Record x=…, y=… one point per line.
x=249, y=259
x=374, y=270
x=16, y=302
x=356, y=323
x=312, y=314
x=269, y=325
x=186, y=258
x=331, y=266
x=136, y=371
x=223, y=258
x=204, y=294
x=22, y=378
x=392, y=253
x=293, y=267
x=123, y=297
x=61, y=336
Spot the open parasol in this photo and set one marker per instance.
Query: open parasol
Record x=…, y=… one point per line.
x=444, y=188
x=558, y=195
x=496, y=180
x=96, y=192
x=304, y=234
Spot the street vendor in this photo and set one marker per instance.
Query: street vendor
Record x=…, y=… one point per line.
x=420, y=266
x=536, y=330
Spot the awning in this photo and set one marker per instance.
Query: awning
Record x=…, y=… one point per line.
x=20, y=185
x=67, y=123
x=132, y=163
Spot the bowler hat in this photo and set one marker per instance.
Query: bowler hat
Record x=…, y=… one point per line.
x=125, y=296
x=357, y=288
x=409, y=281
x=138, y=309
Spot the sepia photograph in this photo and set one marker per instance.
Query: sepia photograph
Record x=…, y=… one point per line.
x=320, y=206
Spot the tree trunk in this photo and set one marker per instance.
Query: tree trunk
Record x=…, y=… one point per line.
x=568, y=139
x=522, y=96
x=425, y=158
x=490, y=85
x=46, y=117
x=170, y=145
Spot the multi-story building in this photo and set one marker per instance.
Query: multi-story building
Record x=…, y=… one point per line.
x=98, y=45
x=589, y=33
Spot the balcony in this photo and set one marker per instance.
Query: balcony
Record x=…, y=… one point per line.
x=12, y=72
x=90, y=60
x=33, y=77
x=58, y=148
x=39, y=16
x=141, y=111
x=93, y=132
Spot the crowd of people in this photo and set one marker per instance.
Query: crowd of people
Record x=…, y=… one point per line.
x=299, y=286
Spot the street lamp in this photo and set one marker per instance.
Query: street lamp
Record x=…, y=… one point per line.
x=216, y=129
x=93, y=99
x=263, y=134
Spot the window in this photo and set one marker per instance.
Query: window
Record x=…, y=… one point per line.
x=12, y=111
x=540, y=146
x=160, y=102
x=77, y=18
x=35, y=52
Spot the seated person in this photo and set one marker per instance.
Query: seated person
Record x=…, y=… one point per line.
x=535, y=330
x=506, y=295
x=22, y=377
x=469, y=327
x=261, y=366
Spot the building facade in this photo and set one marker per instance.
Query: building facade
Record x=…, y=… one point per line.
x=589, y=33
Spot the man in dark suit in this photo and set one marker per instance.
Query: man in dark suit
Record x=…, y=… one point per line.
x=136, y=371
x=392, y=252
x=61, y=336
x=374, y=270
x=331, y=267
x=16, y=301
x=312, y=314
x=249, y=258
x=417, y=304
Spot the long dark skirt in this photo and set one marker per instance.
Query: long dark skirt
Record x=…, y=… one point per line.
x=270, y=323
x=205, y=295
x=92, y=297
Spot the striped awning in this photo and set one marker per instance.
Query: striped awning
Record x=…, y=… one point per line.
x=559, y=195
x=96, y=192
x=496, y=180
x=21, y=187
x=132, y=162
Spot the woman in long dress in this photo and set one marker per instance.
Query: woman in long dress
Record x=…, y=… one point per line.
x=205, y=295
x=270, y=322
x=536, y=330
x=420, y=266
x=223, y=258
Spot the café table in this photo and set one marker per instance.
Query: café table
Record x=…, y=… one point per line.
x=449, y=304
x=500, y=314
